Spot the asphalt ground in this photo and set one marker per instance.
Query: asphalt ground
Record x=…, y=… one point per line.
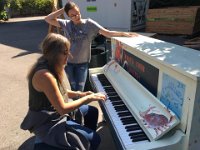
x=19, y=39
x=19, y=49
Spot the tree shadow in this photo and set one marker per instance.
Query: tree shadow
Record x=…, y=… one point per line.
x=25, y=35
x=22, y=54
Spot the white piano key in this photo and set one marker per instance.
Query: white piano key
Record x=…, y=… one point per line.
x=118, y=124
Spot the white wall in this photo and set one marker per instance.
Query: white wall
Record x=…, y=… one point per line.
x=112, y=14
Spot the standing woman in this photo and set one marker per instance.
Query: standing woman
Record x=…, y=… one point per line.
x=80, y=32
x=50, y=108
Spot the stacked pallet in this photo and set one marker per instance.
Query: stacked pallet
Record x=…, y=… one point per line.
x=174, y=20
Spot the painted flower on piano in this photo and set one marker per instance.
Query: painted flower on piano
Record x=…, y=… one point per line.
x=158, y=122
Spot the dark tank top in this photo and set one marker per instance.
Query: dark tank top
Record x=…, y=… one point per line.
x=38, y=100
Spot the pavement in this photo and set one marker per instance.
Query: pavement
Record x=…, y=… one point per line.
x=19, y=49
x=19, y=39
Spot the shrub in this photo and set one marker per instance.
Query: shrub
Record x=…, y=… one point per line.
x=4, y=8
x=30, y=7
x=43, y=6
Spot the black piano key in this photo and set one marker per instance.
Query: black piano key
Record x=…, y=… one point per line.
x=101, y=76
x=143, y=138
x=112, y=101
x=110, y=91
x=112, y=94
x=115, y=103
x=115, y=97
x=120, y=108
x=109, y=88
x=123, y=114
x=138, y=136
x=105, y=83
x=103, y=79
x=128, y=121
x=132, y=128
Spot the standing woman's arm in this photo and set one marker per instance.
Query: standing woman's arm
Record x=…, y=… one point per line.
x=107, y=33
x=52, y=17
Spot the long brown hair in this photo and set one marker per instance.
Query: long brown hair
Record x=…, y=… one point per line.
x=52, y=46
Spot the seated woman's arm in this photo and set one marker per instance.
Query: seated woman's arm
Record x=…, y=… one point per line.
x=44, y=81
x=76, y=94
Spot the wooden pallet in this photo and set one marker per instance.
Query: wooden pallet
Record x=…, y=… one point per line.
x=175, y=20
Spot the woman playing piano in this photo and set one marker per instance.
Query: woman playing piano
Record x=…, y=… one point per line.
x=51, y=110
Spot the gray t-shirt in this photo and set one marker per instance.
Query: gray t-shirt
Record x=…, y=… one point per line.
x=80, y=36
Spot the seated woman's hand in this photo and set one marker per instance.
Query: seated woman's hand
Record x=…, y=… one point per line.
x=86, y=93
x=96, y=97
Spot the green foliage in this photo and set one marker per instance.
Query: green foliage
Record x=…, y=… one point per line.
x=44, y=5
x=30, y=7
x=4, y=7
x=3, y=15
x=16, y=5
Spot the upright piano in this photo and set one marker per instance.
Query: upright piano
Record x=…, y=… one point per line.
x=153, y=94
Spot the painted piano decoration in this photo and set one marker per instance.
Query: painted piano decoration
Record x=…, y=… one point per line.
x=157, y=121
x=153, y=94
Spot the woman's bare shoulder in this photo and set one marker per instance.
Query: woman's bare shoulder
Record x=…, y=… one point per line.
x=43, y=75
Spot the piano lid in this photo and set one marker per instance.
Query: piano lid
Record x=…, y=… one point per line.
x=169, y=54
x=154, y=118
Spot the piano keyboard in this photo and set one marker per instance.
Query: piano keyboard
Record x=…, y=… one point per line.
x=127, y=127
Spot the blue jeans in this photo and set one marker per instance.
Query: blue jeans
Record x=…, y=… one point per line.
x=77, y=75
x=89, y=134
x=90, y=115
